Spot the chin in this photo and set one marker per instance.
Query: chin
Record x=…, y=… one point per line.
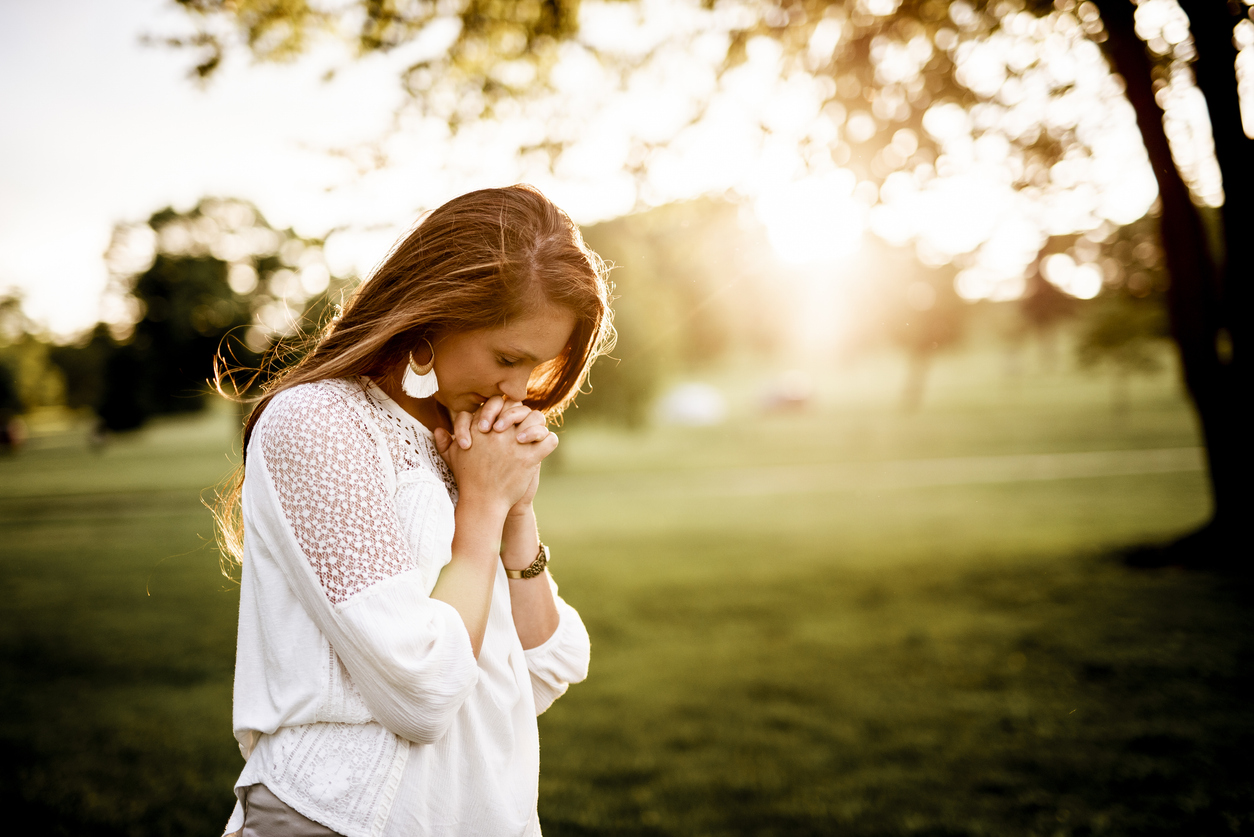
x=446, y=402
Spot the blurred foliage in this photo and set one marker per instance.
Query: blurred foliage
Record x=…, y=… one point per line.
x=693, y=287
x=186, y=286
x=1124, y=332
x=883, y=64
x=11, y=401
x=28, y=379
x=1043, y=304
x=1127, y=326
x=500, y=50
x=924, y=331
x=13, y=320
x=273, y=30
x=30, y=366
x=82, y=366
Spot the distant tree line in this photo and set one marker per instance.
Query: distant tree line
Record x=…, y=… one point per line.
x=216, y=282
x=696, y=285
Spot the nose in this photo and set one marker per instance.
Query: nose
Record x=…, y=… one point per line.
x=515, y=386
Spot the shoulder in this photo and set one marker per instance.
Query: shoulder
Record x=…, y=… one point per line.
x=308, y=407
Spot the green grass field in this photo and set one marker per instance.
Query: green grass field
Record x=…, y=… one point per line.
x=841, y=621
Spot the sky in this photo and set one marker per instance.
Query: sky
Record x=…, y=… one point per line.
x=99, y=129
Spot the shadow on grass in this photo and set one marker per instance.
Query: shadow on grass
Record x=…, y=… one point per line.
x=1212, y=547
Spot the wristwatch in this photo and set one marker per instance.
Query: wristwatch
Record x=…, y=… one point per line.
x=537, y=566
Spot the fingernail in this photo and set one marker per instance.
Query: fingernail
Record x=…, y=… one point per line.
x=483, y=426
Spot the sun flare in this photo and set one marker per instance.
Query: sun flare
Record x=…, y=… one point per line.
x=817, y=220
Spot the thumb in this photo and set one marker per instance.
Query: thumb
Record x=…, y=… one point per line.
x=442, y=440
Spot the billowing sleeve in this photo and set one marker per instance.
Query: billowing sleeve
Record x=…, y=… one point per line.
x=562, y=659
x=322, y=503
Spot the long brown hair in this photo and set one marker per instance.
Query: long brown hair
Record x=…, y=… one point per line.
x=479, y=261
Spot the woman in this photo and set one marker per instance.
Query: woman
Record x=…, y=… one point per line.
x=399, y=632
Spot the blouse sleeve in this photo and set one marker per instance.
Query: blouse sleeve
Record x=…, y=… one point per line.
x=562, y=659
x=327, y=507
x=324, y=464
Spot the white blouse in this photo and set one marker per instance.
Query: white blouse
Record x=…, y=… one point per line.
x=358, y=700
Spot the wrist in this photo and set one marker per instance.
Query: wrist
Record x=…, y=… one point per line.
x=518, y=552
x=534, y=568
x=484, y=510
x=520, y=538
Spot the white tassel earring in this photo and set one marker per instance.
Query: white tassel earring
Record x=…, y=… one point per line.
x=419, y=381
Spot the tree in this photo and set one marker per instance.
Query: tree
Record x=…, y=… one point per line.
x=189, y=286
x=924, y=316
x=31, y=381
x=12, y=328
x=1207, y=296
x=1126, y=326
x=894, y=76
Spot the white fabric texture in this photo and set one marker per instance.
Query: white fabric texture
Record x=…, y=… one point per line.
x=358, y=699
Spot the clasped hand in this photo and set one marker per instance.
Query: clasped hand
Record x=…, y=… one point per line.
x=492, y=464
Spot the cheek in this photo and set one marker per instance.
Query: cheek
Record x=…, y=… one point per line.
x=463, y=375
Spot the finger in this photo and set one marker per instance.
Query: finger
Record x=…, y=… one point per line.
x=535, y=417
x=461, y=429
x=489, y=411
x=547, y=445
x=443, y=444
x=511, y=415
x=533, y=429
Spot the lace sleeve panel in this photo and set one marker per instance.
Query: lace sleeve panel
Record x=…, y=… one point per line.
x=325, y=466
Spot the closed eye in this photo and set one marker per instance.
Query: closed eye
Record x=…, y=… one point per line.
x=504, y=361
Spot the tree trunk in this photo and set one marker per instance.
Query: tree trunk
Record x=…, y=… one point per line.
x=1211, y=23
x=1194, y=297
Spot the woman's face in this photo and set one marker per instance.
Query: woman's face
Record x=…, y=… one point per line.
x=473, y=366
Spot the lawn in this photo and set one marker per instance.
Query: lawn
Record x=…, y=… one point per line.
x=838, y=621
